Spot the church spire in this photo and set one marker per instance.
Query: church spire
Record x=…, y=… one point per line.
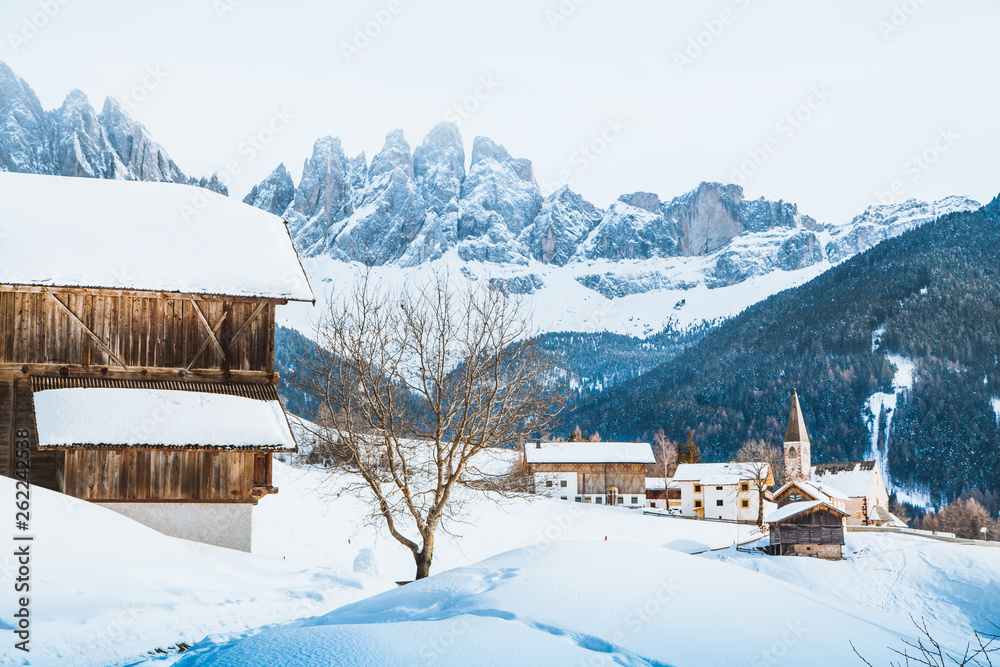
x=796, y=431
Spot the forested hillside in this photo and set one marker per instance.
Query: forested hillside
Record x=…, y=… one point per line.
x=936, y=292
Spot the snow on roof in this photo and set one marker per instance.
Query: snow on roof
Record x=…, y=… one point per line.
x=589, y=452
x=89, y=232
x=852, y=479
x=81, y=417
x=830, y=491
x=807, y=487
x=793, y=509
x=656, y=484
x=715, y=473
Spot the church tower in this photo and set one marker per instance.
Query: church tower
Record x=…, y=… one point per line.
x=798, y=459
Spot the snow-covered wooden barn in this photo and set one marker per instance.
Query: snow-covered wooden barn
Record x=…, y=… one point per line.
x=591, y=472
x=137, y=348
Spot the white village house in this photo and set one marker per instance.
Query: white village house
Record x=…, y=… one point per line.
x=590, y=472
x=720, y=490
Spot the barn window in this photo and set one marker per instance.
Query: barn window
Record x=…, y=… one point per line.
x=548, y=482
x=635, y=501
x=697, y=504
x=579, y=499
x=697, y=488
x=621, y=500
x=563, y=498
x=598, y=499
x=744, y=486
x=745, y=504
x=562, y=483
x=718, y=503
x=718, y=488
x=795, y=496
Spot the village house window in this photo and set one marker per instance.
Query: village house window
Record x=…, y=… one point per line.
x=697, y=504
x=598, y=500
x=562, y=483
x=744, y=487
x=718, y=488
x=621, y=500
x=718, y=503
x=635, y=501
x=745, y=504
x=579, y=499
x=563, y=498
x=697, y=488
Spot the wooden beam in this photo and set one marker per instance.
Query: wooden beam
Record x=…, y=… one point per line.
x=16, y=370
x=79, y=323
x=156, y=294
x=243, y=327
x=212, y=331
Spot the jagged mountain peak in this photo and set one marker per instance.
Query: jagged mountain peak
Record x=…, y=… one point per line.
x=395, y=154
x=275, y=193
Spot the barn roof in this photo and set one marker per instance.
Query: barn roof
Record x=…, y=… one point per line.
x=716, y=473
x=589, y=452
x=817, y=491
x=801, y=507
x=87, y=232
x=97, y=417
x=852, y=479
x=796, y=430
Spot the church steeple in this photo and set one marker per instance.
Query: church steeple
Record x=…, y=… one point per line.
x=798, y=457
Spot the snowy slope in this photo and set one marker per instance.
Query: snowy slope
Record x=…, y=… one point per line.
x=578, y=603
x=106, y=590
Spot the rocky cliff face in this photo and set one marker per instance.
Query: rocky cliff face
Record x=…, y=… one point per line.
x=74, y=140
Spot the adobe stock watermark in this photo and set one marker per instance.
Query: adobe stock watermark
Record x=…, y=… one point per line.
x=712, y=29
x=224, y=8
x=899, y=16
x=562, y=12
x=32, y=24
x=248, y=151
x=470, y=104
x=775, y=653
x=586, y=154
x=366, y=33
x=917, y=165
x=152, y=79
x=785, y=129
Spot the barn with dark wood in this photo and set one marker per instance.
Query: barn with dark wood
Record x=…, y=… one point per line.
x=137, y=348
x=807, y=528
x=591, y=472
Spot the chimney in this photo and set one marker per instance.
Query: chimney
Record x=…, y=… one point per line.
x=538, y=444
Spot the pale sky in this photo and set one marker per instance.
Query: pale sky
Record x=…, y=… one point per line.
x=821, y=103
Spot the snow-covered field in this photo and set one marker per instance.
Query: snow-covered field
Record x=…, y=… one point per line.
x=520, y=582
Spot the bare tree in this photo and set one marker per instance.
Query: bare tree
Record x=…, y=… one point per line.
x=756, y=460
x=928, y=652
x=666, y=452
x=418, y=384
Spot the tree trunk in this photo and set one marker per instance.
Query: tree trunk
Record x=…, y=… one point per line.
x=424, y=558
x=760, y=510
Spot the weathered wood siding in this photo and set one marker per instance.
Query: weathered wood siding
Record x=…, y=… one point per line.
x=111, y=475
x=805, y=534
x=595, y=478
x=16, y=413
x=141, y=329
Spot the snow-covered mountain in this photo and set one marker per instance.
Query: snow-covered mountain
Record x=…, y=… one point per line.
x=75, y=140
x=409, y=207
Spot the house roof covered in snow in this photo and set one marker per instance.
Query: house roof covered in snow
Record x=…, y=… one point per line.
x=852, y=479
x=86, y=232
x=716, y=473
x=588, y=452
x=89, y=417
x=794, y=509
x=656, y=484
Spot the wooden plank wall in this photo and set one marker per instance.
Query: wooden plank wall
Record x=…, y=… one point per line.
x=109, y=475
x=595, y=478
x=142, y=329
x=16, y=413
